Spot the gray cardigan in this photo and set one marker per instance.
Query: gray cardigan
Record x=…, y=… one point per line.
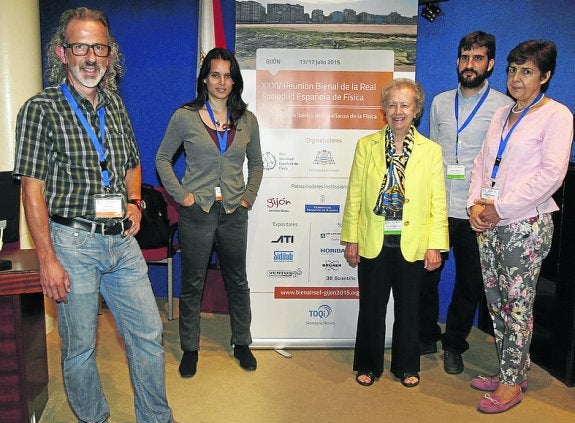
x=206, y=168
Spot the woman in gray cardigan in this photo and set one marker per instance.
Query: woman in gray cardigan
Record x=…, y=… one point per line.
x=217, y=133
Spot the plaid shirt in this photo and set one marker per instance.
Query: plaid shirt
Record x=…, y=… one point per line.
x=53, y=146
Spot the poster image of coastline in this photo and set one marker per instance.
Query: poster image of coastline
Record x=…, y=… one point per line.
x=288, y=26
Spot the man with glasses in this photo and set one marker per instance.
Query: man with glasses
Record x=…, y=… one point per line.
x=79, y=165
x=459, y=119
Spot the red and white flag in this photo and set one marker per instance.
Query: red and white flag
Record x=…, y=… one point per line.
x=211, y=27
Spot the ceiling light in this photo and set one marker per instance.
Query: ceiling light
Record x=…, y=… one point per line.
x=430, y=11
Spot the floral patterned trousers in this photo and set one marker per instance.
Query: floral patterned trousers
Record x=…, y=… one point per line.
x=511, y=258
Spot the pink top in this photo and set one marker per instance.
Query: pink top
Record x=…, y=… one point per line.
x=533, y=164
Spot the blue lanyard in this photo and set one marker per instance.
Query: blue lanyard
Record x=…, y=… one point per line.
x=222, y=138
x=99, y=146
x=467, y=121
x=503, y=141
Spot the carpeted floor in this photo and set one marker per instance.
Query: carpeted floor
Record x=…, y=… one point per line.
x=312, y=386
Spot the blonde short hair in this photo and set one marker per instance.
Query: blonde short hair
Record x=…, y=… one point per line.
x=418, y=93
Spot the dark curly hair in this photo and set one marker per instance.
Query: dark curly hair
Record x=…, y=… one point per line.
x=56, y=71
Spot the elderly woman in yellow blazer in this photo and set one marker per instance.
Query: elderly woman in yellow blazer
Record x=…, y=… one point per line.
x=394, y=229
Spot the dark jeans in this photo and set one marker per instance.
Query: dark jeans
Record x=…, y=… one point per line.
x=376, y=278
x=198, y=232
x=467, y=292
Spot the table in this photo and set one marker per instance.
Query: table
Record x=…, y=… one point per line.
x=23, y=353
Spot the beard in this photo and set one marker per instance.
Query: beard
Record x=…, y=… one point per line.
x=473, y=82
x=88, y=81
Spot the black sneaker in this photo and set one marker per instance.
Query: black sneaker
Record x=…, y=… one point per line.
x=245, y=357
x=452, y=362
x=189, y=364
x=427, y=348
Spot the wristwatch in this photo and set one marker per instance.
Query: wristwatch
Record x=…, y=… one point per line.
x=141, y=204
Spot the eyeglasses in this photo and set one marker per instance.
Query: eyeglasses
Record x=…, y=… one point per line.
x=81, y=49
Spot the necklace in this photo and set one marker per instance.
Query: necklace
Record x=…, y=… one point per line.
x=221, y=125
x=515, y=110
x=216, y=121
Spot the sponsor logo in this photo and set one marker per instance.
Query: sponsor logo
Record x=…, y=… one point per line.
x=334, y=236
x=284, y=239
x=324, y=158
x=276, y=204
x=269, y=160
x=322, y=208
x=286, y=161
x=283, y=256
x=325, y=251
x=322, y=312
x=331, y=265
x=340, y=278
x=284, y=273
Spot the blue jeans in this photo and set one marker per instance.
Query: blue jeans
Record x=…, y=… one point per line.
x=198, y=232
x=115, y=267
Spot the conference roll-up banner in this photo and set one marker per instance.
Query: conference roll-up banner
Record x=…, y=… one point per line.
x=312, y=105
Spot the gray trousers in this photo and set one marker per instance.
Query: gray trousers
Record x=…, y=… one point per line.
x=198, y=232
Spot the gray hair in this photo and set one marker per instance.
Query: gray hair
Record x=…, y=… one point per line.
x=56, y=71
x=418, y=93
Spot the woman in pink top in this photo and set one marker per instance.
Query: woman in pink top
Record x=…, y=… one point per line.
x=523, y=161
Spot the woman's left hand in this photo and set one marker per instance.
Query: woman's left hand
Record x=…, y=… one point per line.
x=351, y=254
x=489, y=214
x=432, y=260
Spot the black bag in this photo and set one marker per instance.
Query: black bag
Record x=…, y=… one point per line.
x=154, y=227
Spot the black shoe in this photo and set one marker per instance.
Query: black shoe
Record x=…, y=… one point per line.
x=189, y=364
x=245, y=357
x=370, y=378
x=452, y=362
x=427, y=348
x=410, y=375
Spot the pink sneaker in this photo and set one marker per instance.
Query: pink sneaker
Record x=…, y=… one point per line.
x=490, y=383
x=490, y=404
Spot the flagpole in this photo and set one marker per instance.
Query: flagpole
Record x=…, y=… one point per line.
x=211, y=28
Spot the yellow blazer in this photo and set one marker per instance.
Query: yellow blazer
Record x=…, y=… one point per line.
x=425, y=208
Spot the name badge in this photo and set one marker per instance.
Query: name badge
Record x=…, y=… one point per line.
x=455, y=171
x=392, y=226
x=109, y=206
x=489, y=193
x=218, y=192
